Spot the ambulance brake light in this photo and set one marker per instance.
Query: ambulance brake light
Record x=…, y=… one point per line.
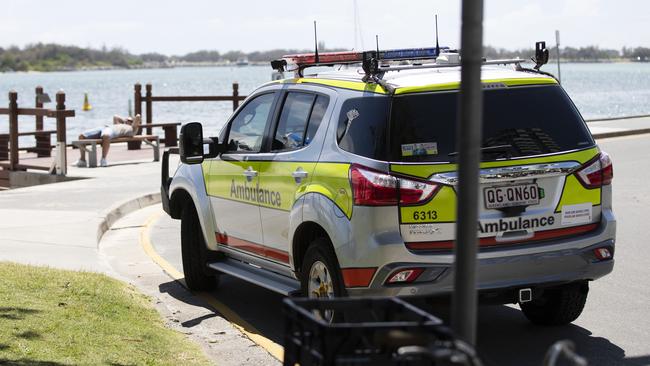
x=373, y=188
x=597, y=173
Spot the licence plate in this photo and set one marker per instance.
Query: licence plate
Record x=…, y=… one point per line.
x=511, y=196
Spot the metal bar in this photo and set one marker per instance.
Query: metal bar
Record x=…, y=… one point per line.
x=438, y=66
x=197, y=98
x=464, y=300
x=13, y=130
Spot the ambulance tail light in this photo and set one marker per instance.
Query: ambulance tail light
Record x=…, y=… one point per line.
x=407, y=275
x=373, y=188
x=597, y=172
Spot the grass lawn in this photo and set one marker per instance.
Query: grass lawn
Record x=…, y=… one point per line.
x=53, y=317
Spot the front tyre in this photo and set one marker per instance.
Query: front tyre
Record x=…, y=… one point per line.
x=321, y=275
x=194, y=252
x=557, y=306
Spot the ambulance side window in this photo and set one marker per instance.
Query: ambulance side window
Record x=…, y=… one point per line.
x=246, y=130
x=301, y=115
x=316, y=117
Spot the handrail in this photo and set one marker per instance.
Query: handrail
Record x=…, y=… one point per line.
x=60, y=113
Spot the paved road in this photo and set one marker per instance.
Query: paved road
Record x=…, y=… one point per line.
x=613, y=330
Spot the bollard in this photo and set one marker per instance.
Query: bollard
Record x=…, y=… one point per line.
x=43, y=142
x=13, y=130
x=137, y=101
x=39, y=104
x=137, y=98
x=235, y=96
x=149, y=106
x=61, y=158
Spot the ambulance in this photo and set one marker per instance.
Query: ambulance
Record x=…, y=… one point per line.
x=342, y=181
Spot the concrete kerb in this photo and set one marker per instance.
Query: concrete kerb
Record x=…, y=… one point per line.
x=121, y=209
x=605, y=135
x=617, y=118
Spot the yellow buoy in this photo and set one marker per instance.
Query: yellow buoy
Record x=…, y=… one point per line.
x=87, y=105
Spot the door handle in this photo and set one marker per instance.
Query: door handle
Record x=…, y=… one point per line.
x=250, y=173
x=299, y=174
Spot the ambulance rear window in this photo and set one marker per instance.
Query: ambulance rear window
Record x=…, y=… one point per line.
x=517, y=121
x=362, y=126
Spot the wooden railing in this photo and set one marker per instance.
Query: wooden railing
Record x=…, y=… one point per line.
x=148, y=99
x=60, y=114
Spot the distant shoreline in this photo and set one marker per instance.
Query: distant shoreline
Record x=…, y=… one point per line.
x=256, y=64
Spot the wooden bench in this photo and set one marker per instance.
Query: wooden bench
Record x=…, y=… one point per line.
x=151, y=140
x=43, y=143
x=170, y=129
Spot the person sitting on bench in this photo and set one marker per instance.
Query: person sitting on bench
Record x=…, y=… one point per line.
x=122, y=127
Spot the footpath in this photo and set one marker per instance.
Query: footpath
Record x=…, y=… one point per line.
x=94, y=224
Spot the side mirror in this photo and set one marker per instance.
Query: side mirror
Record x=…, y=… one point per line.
x=191, y=143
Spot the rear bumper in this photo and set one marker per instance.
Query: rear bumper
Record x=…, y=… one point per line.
x=521, y=271
x=534, y=265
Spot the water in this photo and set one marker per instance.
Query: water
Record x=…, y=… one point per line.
x=598, y=90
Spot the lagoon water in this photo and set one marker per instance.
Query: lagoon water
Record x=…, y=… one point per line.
x=599, y=90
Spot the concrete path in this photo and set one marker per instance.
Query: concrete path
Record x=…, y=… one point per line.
x=60, y=224
x=94, y=224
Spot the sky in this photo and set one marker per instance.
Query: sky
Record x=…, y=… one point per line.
x=179, y=27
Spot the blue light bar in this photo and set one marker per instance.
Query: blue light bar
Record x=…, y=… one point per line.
x=410, y=53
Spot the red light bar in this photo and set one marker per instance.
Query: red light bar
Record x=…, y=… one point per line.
x=324, y=58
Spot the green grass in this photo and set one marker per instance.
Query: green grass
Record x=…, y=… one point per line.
x=52, y=317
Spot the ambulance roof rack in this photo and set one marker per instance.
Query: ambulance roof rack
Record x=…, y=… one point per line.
x=370, y=60
x=376, y=63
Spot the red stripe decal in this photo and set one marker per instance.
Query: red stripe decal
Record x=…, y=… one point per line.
x=358, y=277
x=247, y=246
x=492, y=241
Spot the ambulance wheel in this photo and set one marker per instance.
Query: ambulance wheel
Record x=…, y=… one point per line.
x=195, y=254
x=557, y=306
x=321, y=275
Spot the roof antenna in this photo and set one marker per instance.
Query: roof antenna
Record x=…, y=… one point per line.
x=377, y=42
x=316, y=44
x=437, y=44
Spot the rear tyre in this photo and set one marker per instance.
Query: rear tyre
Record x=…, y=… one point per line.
x=557, y=306
x=198, y=277
x=321, y=275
